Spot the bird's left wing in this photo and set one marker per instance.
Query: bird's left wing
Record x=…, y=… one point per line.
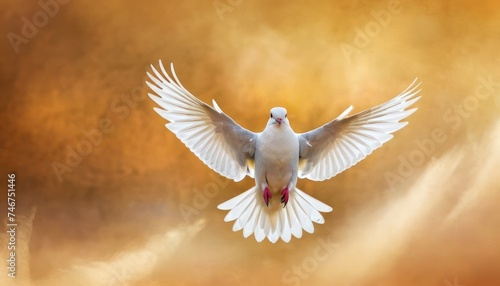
x=343, y=142
x=214, y=137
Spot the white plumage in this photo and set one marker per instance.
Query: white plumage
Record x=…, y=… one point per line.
x=277, y=156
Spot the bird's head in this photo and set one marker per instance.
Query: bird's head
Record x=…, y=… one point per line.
x=278, y=116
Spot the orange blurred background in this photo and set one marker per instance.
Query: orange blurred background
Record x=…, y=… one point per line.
x=421, y=210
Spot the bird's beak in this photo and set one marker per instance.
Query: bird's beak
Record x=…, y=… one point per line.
x=279, y=120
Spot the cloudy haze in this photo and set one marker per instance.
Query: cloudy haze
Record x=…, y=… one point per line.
x=106, y=195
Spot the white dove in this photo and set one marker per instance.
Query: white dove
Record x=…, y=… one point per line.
x=277, y=156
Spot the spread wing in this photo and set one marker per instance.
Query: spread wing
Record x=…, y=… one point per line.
x=213, y=136
x=343, y=142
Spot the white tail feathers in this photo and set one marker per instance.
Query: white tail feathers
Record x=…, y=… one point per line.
x=251, y=215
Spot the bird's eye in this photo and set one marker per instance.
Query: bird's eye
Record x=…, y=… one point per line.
x=271, y=115
x=286, y=115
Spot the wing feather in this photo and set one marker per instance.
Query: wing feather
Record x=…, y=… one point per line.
x=343, y=142
x=214, y=137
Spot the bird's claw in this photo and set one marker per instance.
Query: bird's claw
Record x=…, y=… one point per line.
x=285, y=194
x=267, y=195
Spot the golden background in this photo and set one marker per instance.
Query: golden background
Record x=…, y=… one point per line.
x=421, y=210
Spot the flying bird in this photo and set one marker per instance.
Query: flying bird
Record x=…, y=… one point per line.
x=276, y=157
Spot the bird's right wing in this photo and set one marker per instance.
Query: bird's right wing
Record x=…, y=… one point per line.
x=343, y=142
x=214, y=137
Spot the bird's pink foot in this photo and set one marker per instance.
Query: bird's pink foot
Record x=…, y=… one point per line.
x=285, y=194
x=267, y=195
